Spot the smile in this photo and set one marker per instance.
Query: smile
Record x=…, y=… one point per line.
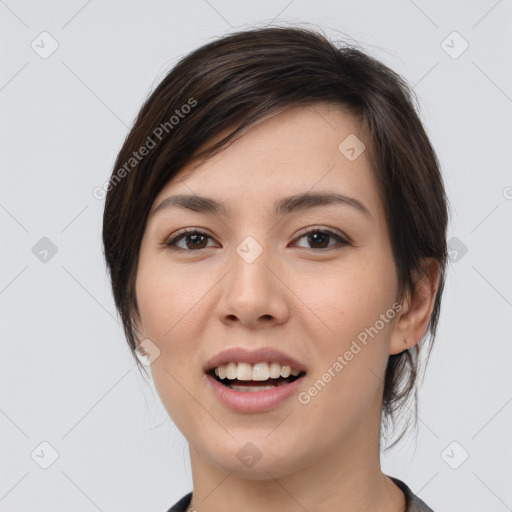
x=248, y=396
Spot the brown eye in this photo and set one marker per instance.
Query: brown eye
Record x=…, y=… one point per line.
x=193, y=240
x=320, y=238
x=196, y=241
x=316, y=238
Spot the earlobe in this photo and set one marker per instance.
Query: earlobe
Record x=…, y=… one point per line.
x=413, y=320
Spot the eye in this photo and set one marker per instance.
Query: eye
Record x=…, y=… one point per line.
x=319, y=238
x=193, y=240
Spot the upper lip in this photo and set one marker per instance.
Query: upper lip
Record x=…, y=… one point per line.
x=243, y=355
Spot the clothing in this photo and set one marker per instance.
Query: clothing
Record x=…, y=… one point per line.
x=413, y=503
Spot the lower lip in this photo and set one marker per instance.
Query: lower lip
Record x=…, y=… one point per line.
x=253, y=401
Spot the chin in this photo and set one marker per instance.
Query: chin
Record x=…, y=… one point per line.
x=253, y=463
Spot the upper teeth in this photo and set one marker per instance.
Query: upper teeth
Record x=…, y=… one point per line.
x=259, y=371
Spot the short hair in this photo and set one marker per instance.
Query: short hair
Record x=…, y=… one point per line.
x=237, y=81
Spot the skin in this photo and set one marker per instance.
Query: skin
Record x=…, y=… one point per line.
x=309, y=297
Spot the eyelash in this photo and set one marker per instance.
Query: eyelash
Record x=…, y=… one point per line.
x=171, y=244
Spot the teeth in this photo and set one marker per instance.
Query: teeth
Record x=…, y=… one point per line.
x=275, y=371
x=231, y=371
x=244, y=371
x=260, y=371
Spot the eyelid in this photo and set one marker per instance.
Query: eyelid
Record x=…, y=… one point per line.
x=313, y=229
x=171, y=241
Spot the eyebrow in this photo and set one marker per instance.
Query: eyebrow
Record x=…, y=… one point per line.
x=286, y=205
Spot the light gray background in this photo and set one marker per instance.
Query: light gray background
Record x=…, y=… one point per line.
x=67, y=377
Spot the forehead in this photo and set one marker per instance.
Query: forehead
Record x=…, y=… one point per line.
x=308, y=148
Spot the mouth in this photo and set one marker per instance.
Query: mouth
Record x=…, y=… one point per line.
x=249, y=371
x=251, y=385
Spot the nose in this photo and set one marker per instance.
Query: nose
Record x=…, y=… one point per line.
x=253, y=293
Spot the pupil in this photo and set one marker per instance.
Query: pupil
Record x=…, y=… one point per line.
x=194, y=239
x=321, y=235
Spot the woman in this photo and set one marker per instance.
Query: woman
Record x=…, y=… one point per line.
x=275, y=233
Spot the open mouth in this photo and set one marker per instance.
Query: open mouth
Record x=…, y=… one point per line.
x=255, y=385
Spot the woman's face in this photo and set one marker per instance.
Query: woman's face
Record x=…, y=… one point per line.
x=253, y=278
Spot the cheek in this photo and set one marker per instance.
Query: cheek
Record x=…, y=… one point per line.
x=347, y=299
x=170, y=300
x=352, y=338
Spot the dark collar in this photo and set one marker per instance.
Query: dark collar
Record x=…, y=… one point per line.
x=412, y=502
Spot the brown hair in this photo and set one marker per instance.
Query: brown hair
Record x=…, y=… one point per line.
x=239, y=80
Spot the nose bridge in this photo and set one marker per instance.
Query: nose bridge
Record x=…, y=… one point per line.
x=250, y=290
x=250, y=268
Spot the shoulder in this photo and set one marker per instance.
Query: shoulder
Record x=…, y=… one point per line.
x=182, y=505
x=413, y=503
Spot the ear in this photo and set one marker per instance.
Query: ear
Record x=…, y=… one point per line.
x=412, y=321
